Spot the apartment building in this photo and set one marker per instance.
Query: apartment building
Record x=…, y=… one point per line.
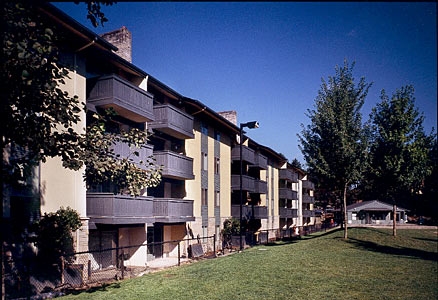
x=198, y=149
x=306, y=200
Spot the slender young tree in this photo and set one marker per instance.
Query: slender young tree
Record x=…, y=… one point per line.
x=399, y=149
x=334, y=143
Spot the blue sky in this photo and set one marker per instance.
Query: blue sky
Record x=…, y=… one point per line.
x=266, y=60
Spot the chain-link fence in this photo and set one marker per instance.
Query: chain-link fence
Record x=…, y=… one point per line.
x=26, y=277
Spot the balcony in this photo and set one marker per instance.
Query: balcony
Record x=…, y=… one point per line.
x=125, y=151
x=248, y=183
x=247, y=154
x=308, y=213
x=249, y=211
x=173, y=210
x=288, y=175
x=176, y=166
x=308, y=199
x=308, y=185
x=286, y=193
x=288, y=212
x=172, y=121
x=107, y=208
x=260, y=186
x=260, y=161
x=126, y=99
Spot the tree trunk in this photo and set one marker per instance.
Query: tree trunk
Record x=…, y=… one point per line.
x=345, y=212
x=394, y=220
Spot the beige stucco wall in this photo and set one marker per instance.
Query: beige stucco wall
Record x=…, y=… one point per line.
x=193, y=187
x=225, y=175
x=60, y=186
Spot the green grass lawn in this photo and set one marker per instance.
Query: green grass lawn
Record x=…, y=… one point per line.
x=372, y=264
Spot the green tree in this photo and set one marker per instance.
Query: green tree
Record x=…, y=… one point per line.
x=296, y=164
x=130, y=174
x=38, y=116
x=334, y=143
x=399, y=149
x=33, y=105
x=429, y=203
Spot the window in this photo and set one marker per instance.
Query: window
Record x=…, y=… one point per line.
x=216, y=165
x=217, y=136
x=204, y=128
x=204, y=197
x=204, y=161
x=217, y=199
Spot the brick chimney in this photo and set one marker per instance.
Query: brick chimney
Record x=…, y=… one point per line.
x=122, y=39
x=230, y=115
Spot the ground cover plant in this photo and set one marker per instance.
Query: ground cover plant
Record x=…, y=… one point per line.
x=371, y=264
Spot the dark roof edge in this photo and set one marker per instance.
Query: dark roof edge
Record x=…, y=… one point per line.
x=64, y=18
x=204, y=108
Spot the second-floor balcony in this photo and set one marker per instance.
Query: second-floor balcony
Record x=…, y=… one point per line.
x=249, y=211
x=177, y=166
x=286, y=193
x=248, y=183
x=260, y=186
x=260, y=161
x=288, y=212
x=308, y=213
x=308, y=185
x=124, y=151
x=289, y=175
x=128, y=100
x=247, y=154
x=172, y=121
x=308, y=199
x=169, y=210
x=108, y=208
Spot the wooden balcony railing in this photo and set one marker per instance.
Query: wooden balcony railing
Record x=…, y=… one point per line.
x=286, y=193
x=260, y=186
x=288, y=212
x=260, y=161
x=288, y=175
x=172, y=121
x=248, y=183
x=107, y=208
x=125, y=151
x=308, y=185
x=308, y=213
x=169, y=210
x=247, y=154
x=249, y=211
x=175, y=165
x=128, y=100
x=308, y=199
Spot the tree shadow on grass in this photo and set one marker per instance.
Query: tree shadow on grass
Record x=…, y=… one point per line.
x=102, y=288
x=427, y=240
x=406, y=252
x=319, y=234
